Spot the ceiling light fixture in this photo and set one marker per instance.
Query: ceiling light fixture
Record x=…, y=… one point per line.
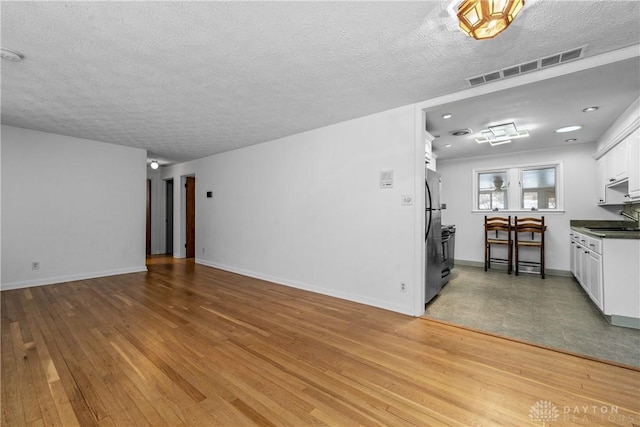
x=568, y=129
x=11, y=55
x=571, y=140
x=485, y=19
x=447, y=116
x=154, y=164
x=590, y=109
x=501, y=134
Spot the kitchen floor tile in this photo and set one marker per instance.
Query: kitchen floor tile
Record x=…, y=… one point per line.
x=554, y=312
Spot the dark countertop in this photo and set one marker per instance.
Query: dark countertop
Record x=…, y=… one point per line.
x=582, y=226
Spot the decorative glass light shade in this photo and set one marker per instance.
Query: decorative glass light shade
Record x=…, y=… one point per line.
x=154, y=164
x=484, y=19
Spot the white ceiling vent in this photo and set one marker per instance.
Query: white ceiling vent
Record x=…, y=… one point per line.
x=527, y=67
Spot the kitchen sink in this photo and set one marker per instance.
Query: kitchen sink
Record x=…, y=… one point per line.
x=613, y=229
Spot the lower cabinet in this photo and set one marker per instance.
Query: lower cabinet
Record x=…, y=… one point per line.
x=594, y=262
x=586, y=266
x=586, y=259
x=609, y=272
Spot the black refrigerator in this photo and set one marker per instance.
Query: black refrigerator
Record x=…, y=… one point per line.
x=433, y=236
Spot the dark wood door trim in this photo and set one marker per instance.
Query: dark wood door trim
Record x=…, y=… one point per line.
x=191, y=217
x=148, y=217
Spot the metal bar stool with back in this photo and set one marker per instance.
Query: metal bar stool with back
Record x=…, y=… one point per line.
x=536, y=227
x=497, y=231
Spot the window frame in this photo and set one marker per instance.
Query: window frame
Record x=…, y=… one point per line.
x=514, y=193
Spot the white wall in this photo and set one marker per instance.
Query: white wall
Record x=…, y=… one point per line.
x=76, y=206
x=307, y=210
x=579, y=199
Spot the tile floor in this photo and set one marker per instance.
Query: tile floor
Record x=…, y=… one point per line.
x=554, y=312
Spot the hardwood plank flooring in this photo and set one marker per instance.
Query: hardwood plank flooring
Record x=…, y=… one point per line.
x=188, y=345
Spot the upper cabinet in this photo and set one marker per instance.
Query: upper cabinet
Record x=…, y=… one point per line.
x=634, y=166
x=616, y=163
x=618, y=160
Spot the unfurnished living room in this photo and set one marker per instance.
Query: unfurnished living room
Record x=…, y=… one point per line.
x=222, y=213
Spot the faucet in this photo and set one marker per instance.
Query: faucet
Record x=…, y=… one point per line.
x=631, y=217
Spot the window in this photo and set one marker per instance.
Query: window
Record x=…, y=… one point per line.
x=518, y=188
x=538, y=188
x=492, y=190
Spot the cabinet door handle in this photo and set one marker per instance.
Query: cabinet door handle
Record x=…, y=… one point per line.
x=592, y=245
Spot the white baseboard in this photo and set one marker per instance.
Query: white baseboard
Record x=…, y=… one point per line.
x=362, y=299
x=70, y=278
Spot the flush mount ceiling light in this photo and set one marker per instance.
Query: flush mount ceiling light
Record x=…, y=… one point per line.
x=571, y=140
x=590, y=109
x=501, y=134
x=485, y=19
x=11, y=55
x=568, y=129
x=447, y=116
x=154, y=164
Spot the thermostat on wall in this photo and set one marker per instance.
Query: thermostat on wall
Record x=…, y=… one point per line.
x=386, y=179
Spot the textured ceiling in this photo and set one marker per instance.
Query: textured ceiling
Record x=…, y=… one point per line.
x=189, y=79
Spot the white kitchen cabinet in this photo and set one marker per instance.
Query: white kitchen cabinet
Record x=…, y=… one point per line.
x=609, y=271
x=601, y=180
x=634, y=166
x=594, y=262
x=572, y=257
x=588, y=265
x=616, y=163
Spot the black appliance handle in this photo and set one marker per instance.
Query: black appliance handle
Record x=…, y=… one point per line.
x=429, y=209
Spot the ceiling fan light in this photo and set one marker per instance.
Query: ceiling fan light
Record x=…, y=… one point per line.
x=484, y=19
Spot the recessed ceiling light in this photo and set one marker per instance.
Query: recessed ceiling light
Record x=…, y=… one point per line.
x=590, y=109
x=460, y=132
x=447, y=145
x=571, y=140
x=447, y=116
x=11, y=55
x=569, y=128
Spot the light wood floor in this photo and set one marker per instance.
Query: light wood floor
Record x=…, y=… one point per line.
x=190, y=345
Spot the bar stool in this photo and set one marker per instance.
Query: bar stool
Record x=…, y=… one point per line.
x=536, y=227
x=501, y=226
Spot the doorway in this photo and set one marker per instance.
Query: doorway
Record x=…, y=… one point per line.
x=148, y=217
x=169, y=217
x=190, y=216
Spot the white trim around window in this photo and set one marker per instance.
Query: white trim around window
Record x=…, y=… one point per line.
x=508, y=194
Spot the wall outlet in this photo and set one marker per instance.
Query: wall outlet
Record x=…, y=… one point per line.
x=403, y=287
x=35, y=265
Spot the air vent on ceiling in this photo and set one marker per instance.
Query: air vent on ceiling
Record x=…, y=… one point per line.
x=538, y=64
